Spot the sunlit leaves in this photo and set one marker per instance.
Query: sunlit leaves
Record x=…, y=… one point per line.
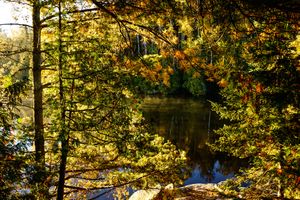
x=13, y=144
x=108, y=144
x=261, y=111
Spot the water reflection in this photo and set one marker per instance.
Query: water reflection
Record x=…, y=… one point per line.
x=187, y=123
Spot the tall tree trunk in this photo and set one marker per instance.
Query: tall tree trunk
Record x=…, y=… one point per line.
x=63, y=134
x=40, y=175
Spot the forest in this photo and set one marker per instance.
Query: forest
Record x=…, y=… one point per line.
x=74, y=77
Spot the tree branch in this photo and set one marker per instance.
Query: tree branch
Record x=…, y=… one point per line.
x=114, y=16
x=16, y=24
x=69, y=12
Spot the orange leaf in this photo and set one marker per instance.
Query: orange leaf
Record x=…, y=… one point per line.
x=259, y=88
x=223, y=83
x=179, y=55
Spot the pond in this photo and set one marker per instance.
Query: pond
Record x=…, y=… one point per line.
x=188, y=123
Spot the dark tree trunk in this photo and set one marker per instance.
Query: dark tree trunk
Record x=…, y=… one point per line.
x=63, y=134
x=40, y=175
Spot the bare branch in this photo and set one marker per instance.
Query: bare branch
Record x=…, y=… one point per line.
x=11, y=53
x=123, y=22
x=19, y=2
x=16, y=24
x=69, y=12
x=93, y=169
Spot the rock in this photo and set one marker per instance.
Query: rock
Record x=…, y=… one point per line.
x=199, y=191
x=169, y=187
x=200, y=187
x=144, y=194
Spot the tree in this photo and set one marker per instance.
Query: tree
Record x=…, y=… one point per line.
x=101, y=114
x=13, y=144
x=248, y=49
x=88, y=133
x=12, y=148
x=93, y=132
x=260, y=82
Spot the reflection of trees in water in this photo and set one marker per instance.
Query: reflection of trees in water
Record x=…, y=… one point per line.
x=187, y=128
x=206, y=161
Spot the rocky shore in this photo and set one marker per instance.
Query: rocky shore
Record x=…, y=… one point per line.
x=207, y=191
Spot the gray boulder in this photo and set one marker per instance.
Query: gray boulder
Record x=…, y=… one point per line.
x=144, y=194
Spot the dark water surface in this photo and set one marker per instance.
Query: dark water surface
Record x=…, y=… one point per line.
x=189, y=124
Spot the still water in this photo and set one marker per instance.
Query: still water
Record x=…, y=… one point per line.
x=189, y=124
